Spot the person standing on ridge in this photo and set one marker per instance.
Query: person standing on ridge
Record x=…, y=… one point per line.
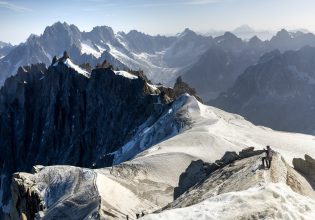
x=267, y=158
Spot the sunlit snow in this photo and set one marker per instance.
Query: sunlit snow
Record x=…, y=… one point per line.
x=70, y=64
x=88, y=48
x=126, y=74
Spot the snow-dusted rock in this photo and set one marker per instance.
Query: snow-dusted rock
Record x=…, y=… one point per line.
x=245, y=190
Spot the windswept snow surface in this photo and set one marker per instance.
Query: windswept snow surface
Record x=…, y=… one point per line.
x=213, y=132
x=270, y=201
x=70, y=64
x=126, y=74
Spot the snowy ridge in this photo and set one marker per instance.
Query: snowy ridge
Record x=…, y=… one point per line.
x=245, y=190
x=70, y=64
x=215, y=131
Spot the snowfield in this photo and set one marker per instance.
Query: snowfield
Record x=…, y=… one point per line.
x=147, y=182
x=213, y=132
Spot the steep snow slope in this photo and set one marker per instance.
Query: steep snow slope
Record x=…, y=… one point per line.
x=147, y=182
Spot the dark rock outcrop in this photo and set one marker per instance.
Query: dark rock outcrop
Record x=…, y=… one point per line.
x=249, y=152
x=199, y=170
x=57, y=116
x=26, y=201
x=306, y=167
x=180, y=88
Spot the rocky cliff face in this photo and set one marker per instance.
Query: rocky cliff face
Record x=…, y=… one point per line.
x=57, y=116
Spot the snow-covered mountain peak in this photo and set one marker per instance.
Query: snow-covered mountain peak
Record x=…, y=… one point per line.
x=58, y=28
x=244, y=29
x=101, y=35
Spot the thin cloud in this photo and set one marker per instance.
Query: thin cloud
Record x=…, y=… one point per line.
x=13, y=7
x=179, y=2
x=200, y=2
x=175, y=3
x=101, y=4
x=136, y=3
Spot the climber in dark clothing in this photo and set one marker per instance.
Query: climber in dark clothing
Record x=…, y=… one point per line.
x=267, y=158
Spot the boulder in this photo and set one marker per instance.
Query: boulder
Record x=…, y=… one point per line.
x=249, y=152
x=306, y=168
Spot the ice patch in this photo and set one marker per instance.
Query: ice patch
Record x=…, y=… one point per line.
x=125, y=74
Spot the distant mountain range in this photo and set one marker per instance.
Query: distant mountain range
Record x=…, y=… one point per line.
x=229, y=56
x=161, y=58
x=210, y=64
x=277, y=92
x=245, y=32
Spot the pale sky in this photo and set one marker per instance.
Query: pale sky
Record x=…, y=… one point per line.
x=20, y=18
